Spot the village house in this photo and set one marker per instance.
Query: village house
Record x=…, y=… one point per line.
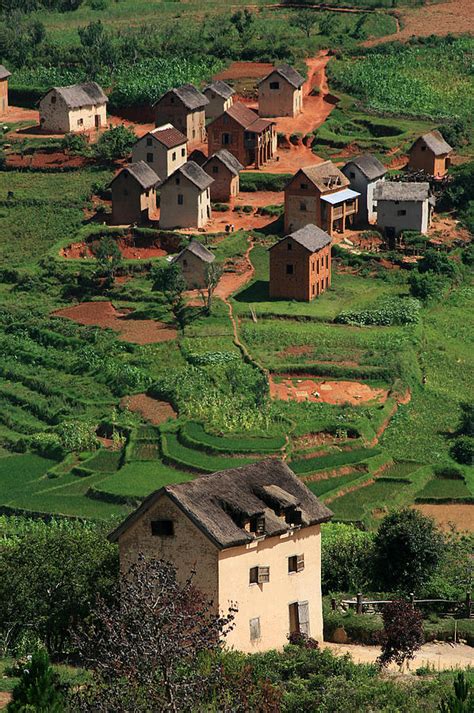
x=185, y=108
x=363, y=173
x=224, y=168
x=194, y=261
x=4, y=76
x=430, y=153
x=280, y=93
x=133, y=194
x=78, y=107
x=251, y=140
x=320, y=195
x=185, y=200
x=253, y=537
x=164, y=149
x=403, y=206
x=220, y=97
x=300, y=265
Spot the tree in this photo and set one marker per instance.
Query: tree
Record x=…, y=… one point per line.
x=427, y=286
x=115, y=143
x=462, y=698
x=108, y=256
x=462, y=450
x=407, y=548
x=402, y=633
x=438, y=263
x=213, y=275
x=38, y=688
x=74, y=143
x=151, y=648
x=169, y=280
x=304, y=20
x=346, y=553
x=466, y=421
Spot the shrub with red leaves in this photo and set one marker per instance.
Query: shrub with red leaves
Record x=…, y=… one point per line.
x=402, y=633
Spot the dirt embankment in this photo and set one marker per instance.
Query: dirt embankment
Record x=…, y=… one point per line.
x=305, y=388
x=131, y=249
x=152, y=410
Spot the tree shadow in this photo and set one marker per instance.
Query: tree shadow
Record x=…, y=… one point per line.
x=256, y=292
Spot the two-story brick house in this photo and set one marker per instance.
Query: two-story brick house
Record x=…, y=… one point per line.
x=4, y=77
x=253, y=537
x=164, y=149
x=300, y=265
x=185, y=199
x=220, y=97
x=280, y=93
x=185, y=108
x=320, y=195
x=224, y=168
x=430, y=153
x=251, y=140
x=133, y=194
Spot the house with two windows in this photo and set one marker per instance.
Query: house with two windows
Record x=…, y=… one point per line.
x=78, y=107
x=220, y=97
x=4, y=77
x=225, y=169
x=320, y=195
x=403, y=206
x=185, y=198
x=363, y=173
x=430, y=153
x=184, y=108
x=280, y=93
x=253, y=537
x=133, y=194
x=194, y=261
x=300, y=265
x=164, y=149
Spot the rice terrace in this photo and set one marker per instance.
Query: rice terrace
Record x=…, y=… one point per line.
x=235, y=235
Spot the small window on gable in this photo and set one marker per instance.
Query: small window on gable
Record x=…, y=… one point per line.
x=180, y=199
x=162, y=528
x=173, y=156
x=255, y=629
x=149, y=142
x=149, y=158
x=53, y=99
x=423, y=148
x=171, y=100
x=304, y=186
x=289, y=245
x=257, y=524
x=295, y=563
x=215, y=169
x=274, y=85
x=80, y=122
x=177, y=180
x=289, y=270
x=185, y=263
x=125, y=192
x=259, y=575
x=303, y=206
x=401, y=212
x=352, y=174
x=147, y=193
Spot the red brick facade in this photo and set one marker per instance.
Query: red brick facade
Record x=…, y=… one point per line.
x=239, y=130
x=296, y=273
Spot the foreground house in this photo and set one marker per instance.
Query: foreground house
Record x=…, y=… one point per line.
x=78, y=107
x=250, y=139
x=280, y=93
x=194, y=261
x=4, y=77
x=185, y=108
x=403, y=206
x=363, y=173
x=300, y=265
x=133, y=194
x=220, y=97
x=185, y=199
x=430, y=153
x=253, y=537
x=320, y=195
x=224, y=168
x=164, y=149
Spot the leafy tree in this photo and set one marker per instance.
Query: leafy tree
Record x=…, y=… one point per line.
x=108, y=256
x=146, y=648
x=305, y=20
x=462, y=698
x=402, y=633
x=97, y=47
x=466, y=422
x=345, y=558
x=115, y=143
x=169, y=280
x=213, y=275
x=456, y=132
x=243, y=21
x=428, y=286
x=74, y=143
x=463, y=450
x=38, y=688
x=467, y=255
x=407, y=548
x=438, y=263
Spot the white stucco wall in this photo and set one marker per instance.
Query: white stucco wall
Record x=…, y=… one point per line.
x=56, y=117
x=165, y=161
x=416, y=217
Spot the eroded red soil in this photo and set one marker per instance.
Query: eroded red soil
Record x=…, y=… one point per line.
x=152, y=410
x=42, y=159
x=447, y=514
x=331, y=392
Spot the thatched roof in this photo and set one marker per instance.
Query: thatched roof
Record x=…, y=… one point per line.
x=222, y=504
x=396, y=191
x=228, y=160
x=191, y=97
x=4, y=73
x=142, y=173
x=368, y=164
x=220, y=88
x=310, y=237
x=435, y=142
x=289, y=73
x=325, y=176
x=195, y=174
x=197, y=249
x=76, y=96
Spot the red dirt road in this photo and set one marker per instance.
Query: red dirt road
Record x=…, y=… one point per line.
x=104, y=314
x=150, y=409
x=329, y=392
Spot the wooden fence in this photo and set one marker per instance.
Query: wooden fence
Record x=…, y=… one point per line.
x=371, y=606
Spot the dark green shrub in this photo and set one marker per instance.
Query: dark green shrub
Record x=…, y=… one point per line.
x=115, y=143
x=38, y=688
x=428, y=286
x=345, y=558
x=463, y=450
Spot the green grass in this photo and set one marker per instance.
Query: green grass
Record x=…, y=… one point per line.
x=444, y=490
x=137, y=480
x=185, y=457
x=195, y=436
x=333, y=460
x=357, y=504
x=104, y=461
x=321, y=487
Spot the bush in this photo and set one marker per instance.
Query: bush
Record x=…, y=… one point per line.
x=253, y=182
x=74, y=143
x=395, y=310
x=345, y=558
x=437, y=263
x=402, y=632
x=463, y=450
x=428, y=286
x=38, y=688
x=115, y=143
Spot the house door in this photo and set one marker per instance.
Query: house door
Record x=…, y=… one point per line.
x=97, y=121
x=299, y=618
x=390, y=237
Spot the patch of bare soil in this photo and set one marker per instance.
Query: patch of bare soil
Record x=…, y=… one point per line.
x=244, y=221
x=438, y=656
x=43, y=159
x=445, y=230
x=447, y=514
x=5, y=698
x=104, y=314
x=152, y=410
x=305, y=388
x=230, y=282
x=302, y=350
x=131, y=249
x=244, y=70
x=334, y=472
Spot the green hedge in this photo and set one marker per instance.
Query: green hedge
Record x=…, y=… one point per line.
x=334, y=460
x=193, y=435
x=336, y=371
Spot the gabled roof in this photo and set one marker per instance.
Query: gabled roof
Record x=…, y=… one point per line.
x=198, y=157
x=197, y=249
x=221, y=88
x=325, y=176
x=141, y=172
x=220, y=503
x=193, y=173
x=310, y=237
x=168, y=136
x=191, y=97
x=369, y=165
x=435, y=142
x=78, y=95
x=228, y=160
x=395, y=191
x=289, y=73
x=242, y=114
x=4, y=73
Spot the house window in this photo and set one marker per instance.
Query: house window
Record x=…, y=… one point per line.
x=313, y=266
x=180, y=199
x=185, y=263
x=304, y=186
x=303, y=206
x=125, y=192
x=177, y=180
x=225, y=139
x=149, y=158
x=289, y=270
x=259, y=575
x=289, y=245
x=274, y=85
x=255, y=629
x=423, y=148
x=147, y=193
x=327, y=261
x=296, y=562
x=215, y=169
x=80, y=122
x=313, y=290
x=352, y=174
x=194, y=133
x=257, y=524
x=173, y=156
x=162, y=528
x=401, y=212
x=183, y=152
x=149, y=142
x=299, y=618
x=225, y=119
x=171, y=100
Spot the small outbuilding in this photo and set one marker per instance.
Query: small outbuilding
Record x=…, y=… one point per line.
x=224, y=168
x=363, y=173
x=185, y=199
x=4, y=77
x=280, y=93
x=164, y=149
x=185, y=108
x=253, y=141
x=78, y=107
x=430, y=153
x=194, y=261
x=403, y=206
x=300, y=265
x=220, y=97
x=133, y=194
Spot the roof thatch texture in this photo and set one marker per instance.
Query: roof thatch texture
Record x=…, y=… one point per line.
x=368, y=164
x=310, y=237
x=4, y=73
x=291, y=75
x=197, y=249
x=436, y=143
x=78, y=95
x=142, y=173
x=228, y=160
x=221, y=88
x=191, y=97
x=325, y=176
x=396, y=191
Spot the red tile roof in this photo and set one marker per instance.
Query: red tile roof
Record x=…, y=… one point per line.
x=169, y=137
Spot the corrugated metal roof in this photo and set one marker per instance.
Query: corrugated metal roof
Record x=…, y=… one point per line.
x=347, y=194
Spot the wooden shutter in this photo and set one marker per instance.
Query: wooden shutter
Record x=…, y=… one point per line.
x=299, y=563
x=263, y=575
x=303, y=617
x=255, y=629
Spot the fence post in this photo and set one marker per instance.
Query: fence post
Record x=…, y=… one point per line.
x=412, y=599
x=333, y=604
x=468, y=604
x=359, y=603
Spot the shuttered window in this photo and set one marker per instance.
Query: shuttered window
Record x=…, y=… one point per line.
x=259, y=575
x=255, y=629
x=303, y=617
x=296, y=563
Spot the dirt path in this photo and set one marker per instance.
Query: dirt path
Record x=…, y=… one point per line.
x=230, y=282
x=439, y=656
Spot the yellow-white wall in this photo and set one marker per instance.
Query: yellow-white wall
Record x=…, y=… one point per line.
x=165, y=161
x=56, y=117
x=193, y=213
